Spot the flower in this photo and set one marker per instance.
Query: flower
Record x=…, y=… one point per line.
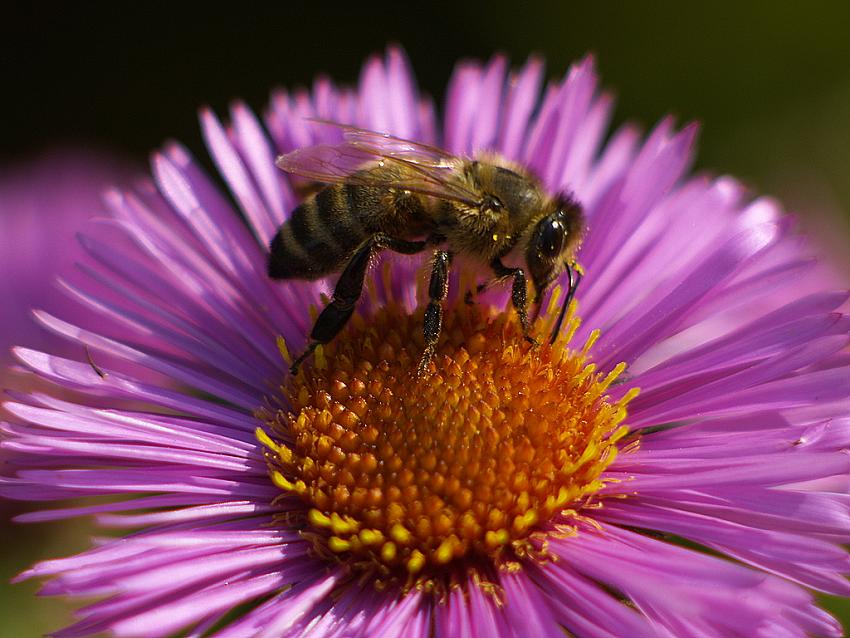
x=43, y=202
x=44, y=199
x=356, y=500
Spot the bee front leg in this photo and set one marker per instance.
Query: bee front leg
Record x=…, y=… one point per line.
x=348, y=288
x=574, y=275
x=519, y=294
x=438, y=288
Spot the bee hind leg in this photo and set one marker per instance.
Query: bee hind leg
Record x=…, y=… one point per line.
x=438, y=288
x=347, y=291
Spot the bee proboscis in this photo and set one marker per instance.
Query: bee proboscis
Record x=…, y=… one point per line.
x=387, y=193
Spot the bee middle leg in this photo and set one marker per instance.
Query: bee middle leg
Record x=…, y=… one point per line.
x=438, y=288
x=519, y=294
x=348, y=288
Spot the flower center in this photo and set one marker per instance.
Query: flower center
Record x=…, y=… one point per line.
x=404, y=475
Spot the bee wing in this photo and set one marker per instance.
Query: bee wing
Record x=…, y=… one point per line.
x=390, y=145
x=364, y=156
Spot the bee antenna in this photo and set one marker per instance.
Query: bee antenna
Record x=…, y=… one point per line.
x=574, y=278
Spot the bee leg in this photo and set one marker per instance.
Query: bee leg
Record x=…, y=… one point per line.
x=574, y=275
x=519, y=298
x=519, y=294
x=347, y=291
x=438, y=288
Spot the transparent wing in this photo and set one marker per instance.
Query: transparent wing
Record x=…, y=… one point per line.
x=389, y=145
x=370, y=158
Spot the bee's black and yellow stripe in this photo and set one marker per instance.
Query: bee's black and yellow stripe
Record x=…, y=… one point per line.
x=323, y=232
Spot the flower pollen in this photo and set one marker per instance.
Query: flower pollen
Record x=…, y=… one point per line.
x=407, y=476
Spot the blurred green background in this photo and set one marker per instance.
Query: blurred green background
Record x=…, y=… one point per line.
x=770, y=82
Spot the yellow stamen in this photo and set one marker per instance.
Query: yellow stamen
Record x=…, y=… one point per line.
x=284, y=351
x=410, y=473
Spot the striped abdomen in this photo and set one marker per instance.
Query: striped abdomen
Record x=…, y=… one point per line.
x=322, y=232
x=325, y=230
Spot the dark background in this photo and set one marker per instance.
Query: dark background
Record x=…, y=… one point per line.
x=770, y=82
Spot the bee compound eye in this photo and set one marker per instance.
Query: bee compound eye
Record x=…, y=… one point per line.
x=552, y=235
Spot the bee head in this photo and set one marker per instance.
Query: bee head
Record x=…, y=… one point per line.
x=552, y=242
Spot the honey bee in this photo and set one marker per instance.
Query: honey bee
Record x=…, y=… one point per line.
x=387, y=193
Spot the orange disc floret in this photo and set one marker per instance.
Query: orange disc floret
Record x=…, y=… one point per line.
x=408, y=474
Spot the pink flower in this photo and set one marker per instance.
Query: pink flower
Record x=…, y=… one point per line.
x=43, y=202
x=736, y=444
